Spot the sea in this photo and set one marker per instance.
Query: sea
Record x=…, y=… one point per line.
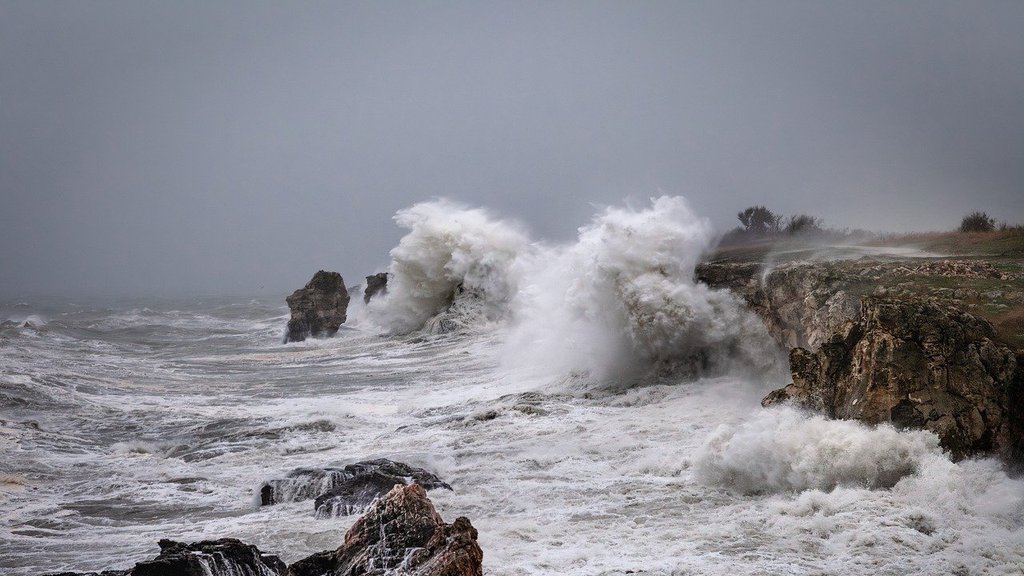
x=595, y=410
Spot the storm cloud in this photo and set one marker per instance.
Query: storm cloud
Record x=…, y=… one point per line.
x=172, y=148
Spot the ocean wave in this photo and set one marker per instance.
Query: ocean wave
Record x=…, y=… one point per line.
x=785, y=449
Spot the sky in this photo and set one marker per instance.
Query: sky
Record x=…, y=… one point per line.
x=215, y=147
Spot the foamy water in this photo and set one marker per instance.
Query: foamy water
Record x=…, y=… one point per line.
x=622, y=433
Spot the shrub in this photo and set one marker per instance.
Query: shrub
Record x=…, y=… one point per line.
x=803, y=224
x=977, y=222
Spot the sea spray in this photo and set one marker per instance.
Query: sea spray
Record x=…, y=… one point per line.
x=622, y=301
x=450, y=252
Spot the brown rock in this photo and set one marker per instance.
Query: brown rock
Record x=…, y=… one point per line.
x=916, y=364
x=401, y=533
x=319, y=308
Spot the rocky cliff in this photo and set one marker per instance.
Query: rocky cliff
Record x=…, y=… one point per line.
x=911, y=342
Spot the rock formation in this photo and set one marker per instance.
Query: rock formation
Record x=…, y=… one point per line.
x=345, y=490
x=917, y=364
x=319, y=308
x=375, y=284
x=227, y=557
x=401, y=533
x=891, y=342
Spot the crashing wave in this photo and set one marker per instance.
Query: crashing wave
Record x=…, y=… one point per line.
x=451, y=255
x=623, y=300
x=784, y=449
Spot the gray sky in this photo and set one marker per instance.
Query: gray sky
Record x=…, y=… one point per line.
x=237, y=147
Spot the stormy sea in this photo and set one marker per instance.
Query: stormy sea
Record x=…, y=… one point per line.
x=594, y=409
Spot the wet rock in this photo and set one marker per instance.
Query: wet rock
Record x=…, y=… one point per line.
x=104, y=573
x=375, y=284
x=318, y=309
x=401, y=533
x=919, y=364
x=345, y=490
x=223, y=557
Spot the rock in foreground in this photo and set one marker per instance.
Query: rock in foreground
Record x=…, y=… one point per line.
x=223, y=557
x=318, y=309
x=917, y=364
x=401, y=533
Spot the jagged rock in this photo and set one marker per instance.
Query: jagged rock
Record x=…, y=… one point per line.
x=346, y=490
x=375, y=284
x=401, y=533
x=319, y=308
x=917, y=364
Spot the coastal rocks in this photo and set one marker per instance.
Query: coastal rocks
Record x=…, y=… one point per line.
x=223, y=557
x=401, y=533
x=375, y=284
x=319, y=308
x=920, y=364
x=345, y=490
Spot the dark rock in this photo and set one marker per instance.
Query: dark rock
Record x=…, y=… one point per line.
x=104, y=573
x=401, y=533
x=917, y=364
x=223, y=557
x=375, y=284
x=319, y=309
x=346, y=490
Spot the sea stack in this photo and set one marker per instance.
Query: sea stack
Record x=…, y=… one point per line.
x=319, y=308
x=375, y=284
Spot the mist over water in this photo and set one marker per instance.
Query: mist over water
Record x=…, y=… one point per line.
x=594, y=409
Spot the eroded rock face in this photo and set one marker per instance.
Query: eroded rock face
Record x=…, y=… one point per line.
x=801, y=305
x=917, y=364
x=318, y=309
x=401, y=533
x=341, y=491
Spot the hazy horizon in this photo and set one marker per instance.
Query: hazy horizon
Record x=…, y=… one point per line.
x=237, y=147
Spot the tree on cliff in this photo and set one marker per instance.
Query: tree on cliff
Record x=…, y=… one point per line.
x=759, y=220
x=977, y=222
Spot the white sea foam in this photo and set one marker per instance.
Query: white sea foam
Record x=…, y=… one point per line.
x=785, y=449
x=623, y=299
x=449, y=251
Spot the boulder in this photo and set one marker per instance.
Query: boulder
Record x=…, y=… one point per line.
x=375, y=284
x=917, y=363
x=318, y=309
x=341, y=491
x=401, y=533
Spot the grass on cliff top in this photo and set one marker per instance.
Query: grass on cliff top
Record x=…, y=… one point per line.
x=1007, y=244
x=997, y=301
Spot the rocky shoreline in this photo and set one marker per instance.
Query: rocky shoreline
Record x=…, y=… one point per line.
x=399, y=532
